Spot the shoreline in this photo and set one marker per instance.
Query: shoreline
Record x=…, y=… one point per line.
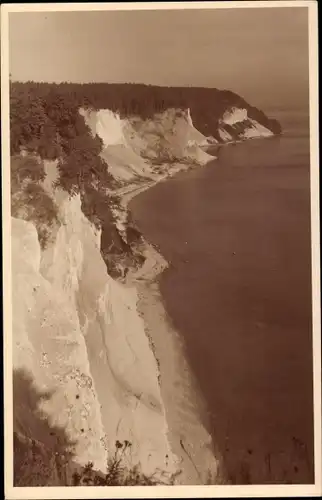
x=184, y=405
x=242, y=435
x=189, y=438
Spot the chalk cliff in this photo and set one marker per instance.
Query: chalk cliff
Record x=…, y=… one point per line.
x=78, y=334
x=131, y=145
x=79, y=342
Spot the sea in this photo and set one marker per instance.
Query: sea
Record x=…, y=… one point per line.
x=236, y=234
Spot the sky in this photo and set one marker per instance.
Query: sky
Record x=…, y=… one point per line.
x=260, y=53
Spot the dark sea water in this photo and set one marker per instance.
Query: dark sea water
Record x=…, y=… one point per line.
x=238, y=289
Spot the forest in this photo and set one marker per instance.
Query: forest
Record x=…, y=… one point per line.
x=44, y=116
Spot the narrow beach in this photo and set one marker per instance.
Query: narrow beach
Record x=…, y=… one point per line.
x=183, y=403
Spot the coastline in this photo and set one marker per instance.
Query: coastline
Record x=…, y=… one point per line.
x=242, y=435
x=183, y=403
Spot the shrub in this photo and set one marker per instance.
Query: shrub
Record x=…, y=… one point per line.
x=118, y=474
x=26, y=167
x=29, y=201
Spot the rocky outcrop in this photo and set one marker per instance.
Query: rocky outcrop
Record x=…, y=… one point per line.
x=236, y=124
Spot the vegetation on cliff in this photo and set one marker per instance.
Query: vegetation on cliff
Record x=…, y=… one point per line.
x=29, y=200
x=43, y=452
x=44, y=116
x=45, y=123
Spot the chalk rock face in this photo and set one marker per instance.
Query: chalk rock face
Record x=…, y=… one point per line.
x=78, y=336
x=49, y=345
x=131, y=143
x=235, y=124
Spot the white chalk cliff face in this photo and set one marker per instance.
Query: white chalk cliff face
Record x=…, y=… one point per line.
x=240, y=125
x=130, y=144
x=78, y=334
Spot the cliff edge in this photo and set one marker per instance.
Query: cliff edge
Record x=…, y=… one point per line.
x=86, y=377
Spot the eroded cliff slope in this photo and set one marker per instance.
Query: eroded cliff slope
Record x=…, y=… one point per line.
x=85, y=374
x=78, y=335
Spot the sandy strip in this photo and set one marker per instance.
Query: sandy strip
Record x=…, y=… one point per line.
x=188, y=438
x=128, y=192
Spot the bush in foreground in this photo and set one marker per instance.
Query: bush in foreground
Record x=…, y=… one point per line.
x=118, y=474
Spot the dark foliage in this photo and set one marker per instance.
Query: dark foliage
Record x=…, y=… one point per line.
x=117, y=474
x=29, y=201
x=44, y=116
x=45, y=120
x=43, y=453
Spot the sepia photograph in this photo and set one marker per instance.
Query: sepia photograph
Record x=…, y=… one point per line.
x=160, y=193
